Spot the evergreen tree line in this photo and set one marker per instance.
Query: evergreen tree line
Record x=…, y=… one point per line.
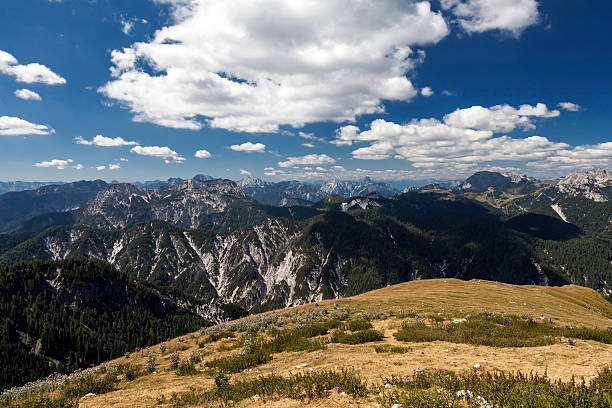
x=63, y=315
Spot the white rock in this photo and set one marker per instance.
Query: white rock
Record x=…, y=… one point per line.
x=256, y=397
x=301, y=365
x=90, y=394
x=387, y=385
x=477, y=365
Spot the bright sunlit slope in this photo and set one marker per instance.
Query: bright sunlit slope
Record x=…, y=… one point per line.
x=421, y=343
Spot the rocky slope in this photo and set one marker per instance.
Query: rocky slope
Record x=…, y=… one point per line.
x=183, y=204
x=590, y=187
x=281, y=262
x=595, y=184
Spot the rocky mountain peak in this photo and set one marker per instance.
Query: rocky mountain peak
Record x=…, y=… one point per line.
x=594, y=184
x=183, y=204
x=251, y=182
x=593, y=177
x=482, y=179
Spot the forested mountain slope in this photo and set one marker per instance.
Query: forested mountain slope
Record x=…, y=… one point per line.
x=64, y=315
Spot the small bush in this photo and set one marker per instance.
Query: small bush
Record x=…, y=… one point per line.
x=195, y=357
x=498, y=331
x=385, y=348
x=221, y=379
x=186, y=367
x=298, y=386
x=359, y=337
x=235, y=364
x=486, y=389
x=355, y=325
x=221, y=335
x=129, y=372
x=174, y=360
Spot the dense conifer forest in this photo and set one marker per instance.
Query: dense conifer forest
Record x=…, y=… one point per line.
x=63, y=315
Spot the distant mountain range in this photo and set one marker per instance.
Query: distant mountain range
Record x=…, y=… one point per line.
x=484, y=179
x=213, y=240
x=288, y=193
x=208, y=248
x=15, y=186
x=17, y=207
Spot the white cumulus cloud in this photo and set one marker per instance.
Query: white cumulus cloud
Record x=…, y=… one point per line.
x=203, y=154
x=114, y=166
x=100, y=168
x=163, y=152
x=30, y=73
x=477, y=16
x=79, y=166
x=427, y=91
x=12, y=126
x=499, y=118
x=127, y=24
x=464, y=143
x=245, y=172
x=59, y=164
x=249, y=147
x=104, y=141
x=312, y=159
x=569, y=106
x=27, y=95
x=461, y=142
x=251, y=66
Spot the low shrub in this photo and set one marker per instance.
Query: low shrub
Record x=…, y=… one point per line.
x=174, y=360
x=386, y=348
x=240, y=362
x=221, y=379
x=498, y=331
x=90, y=383
x=358, y=337
x=186, y=367
x=491, y=389
x=195, y=357
x=151, y=364
x=129, y=373
x=361, y=324
x=298, y=386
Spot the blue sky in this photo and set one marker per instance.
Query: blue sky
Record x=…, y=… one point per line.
x=397, y=90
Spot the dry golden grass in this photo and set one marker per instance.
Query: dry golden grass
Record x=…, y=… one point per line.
x=571, y=305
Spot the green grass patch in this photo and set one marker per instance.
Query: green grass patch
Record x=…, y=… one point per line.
x=308, y=386
x=358, y=337
x=294, y=339
x=486, y=389
x=386, y=348
x=240, y=362
x=498, y=331
x=355, y=325
x=230, y=346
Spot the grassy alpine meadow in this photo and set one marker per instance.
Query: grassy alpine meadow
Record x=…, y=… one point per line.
x=498, y=331
x=365, y=351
